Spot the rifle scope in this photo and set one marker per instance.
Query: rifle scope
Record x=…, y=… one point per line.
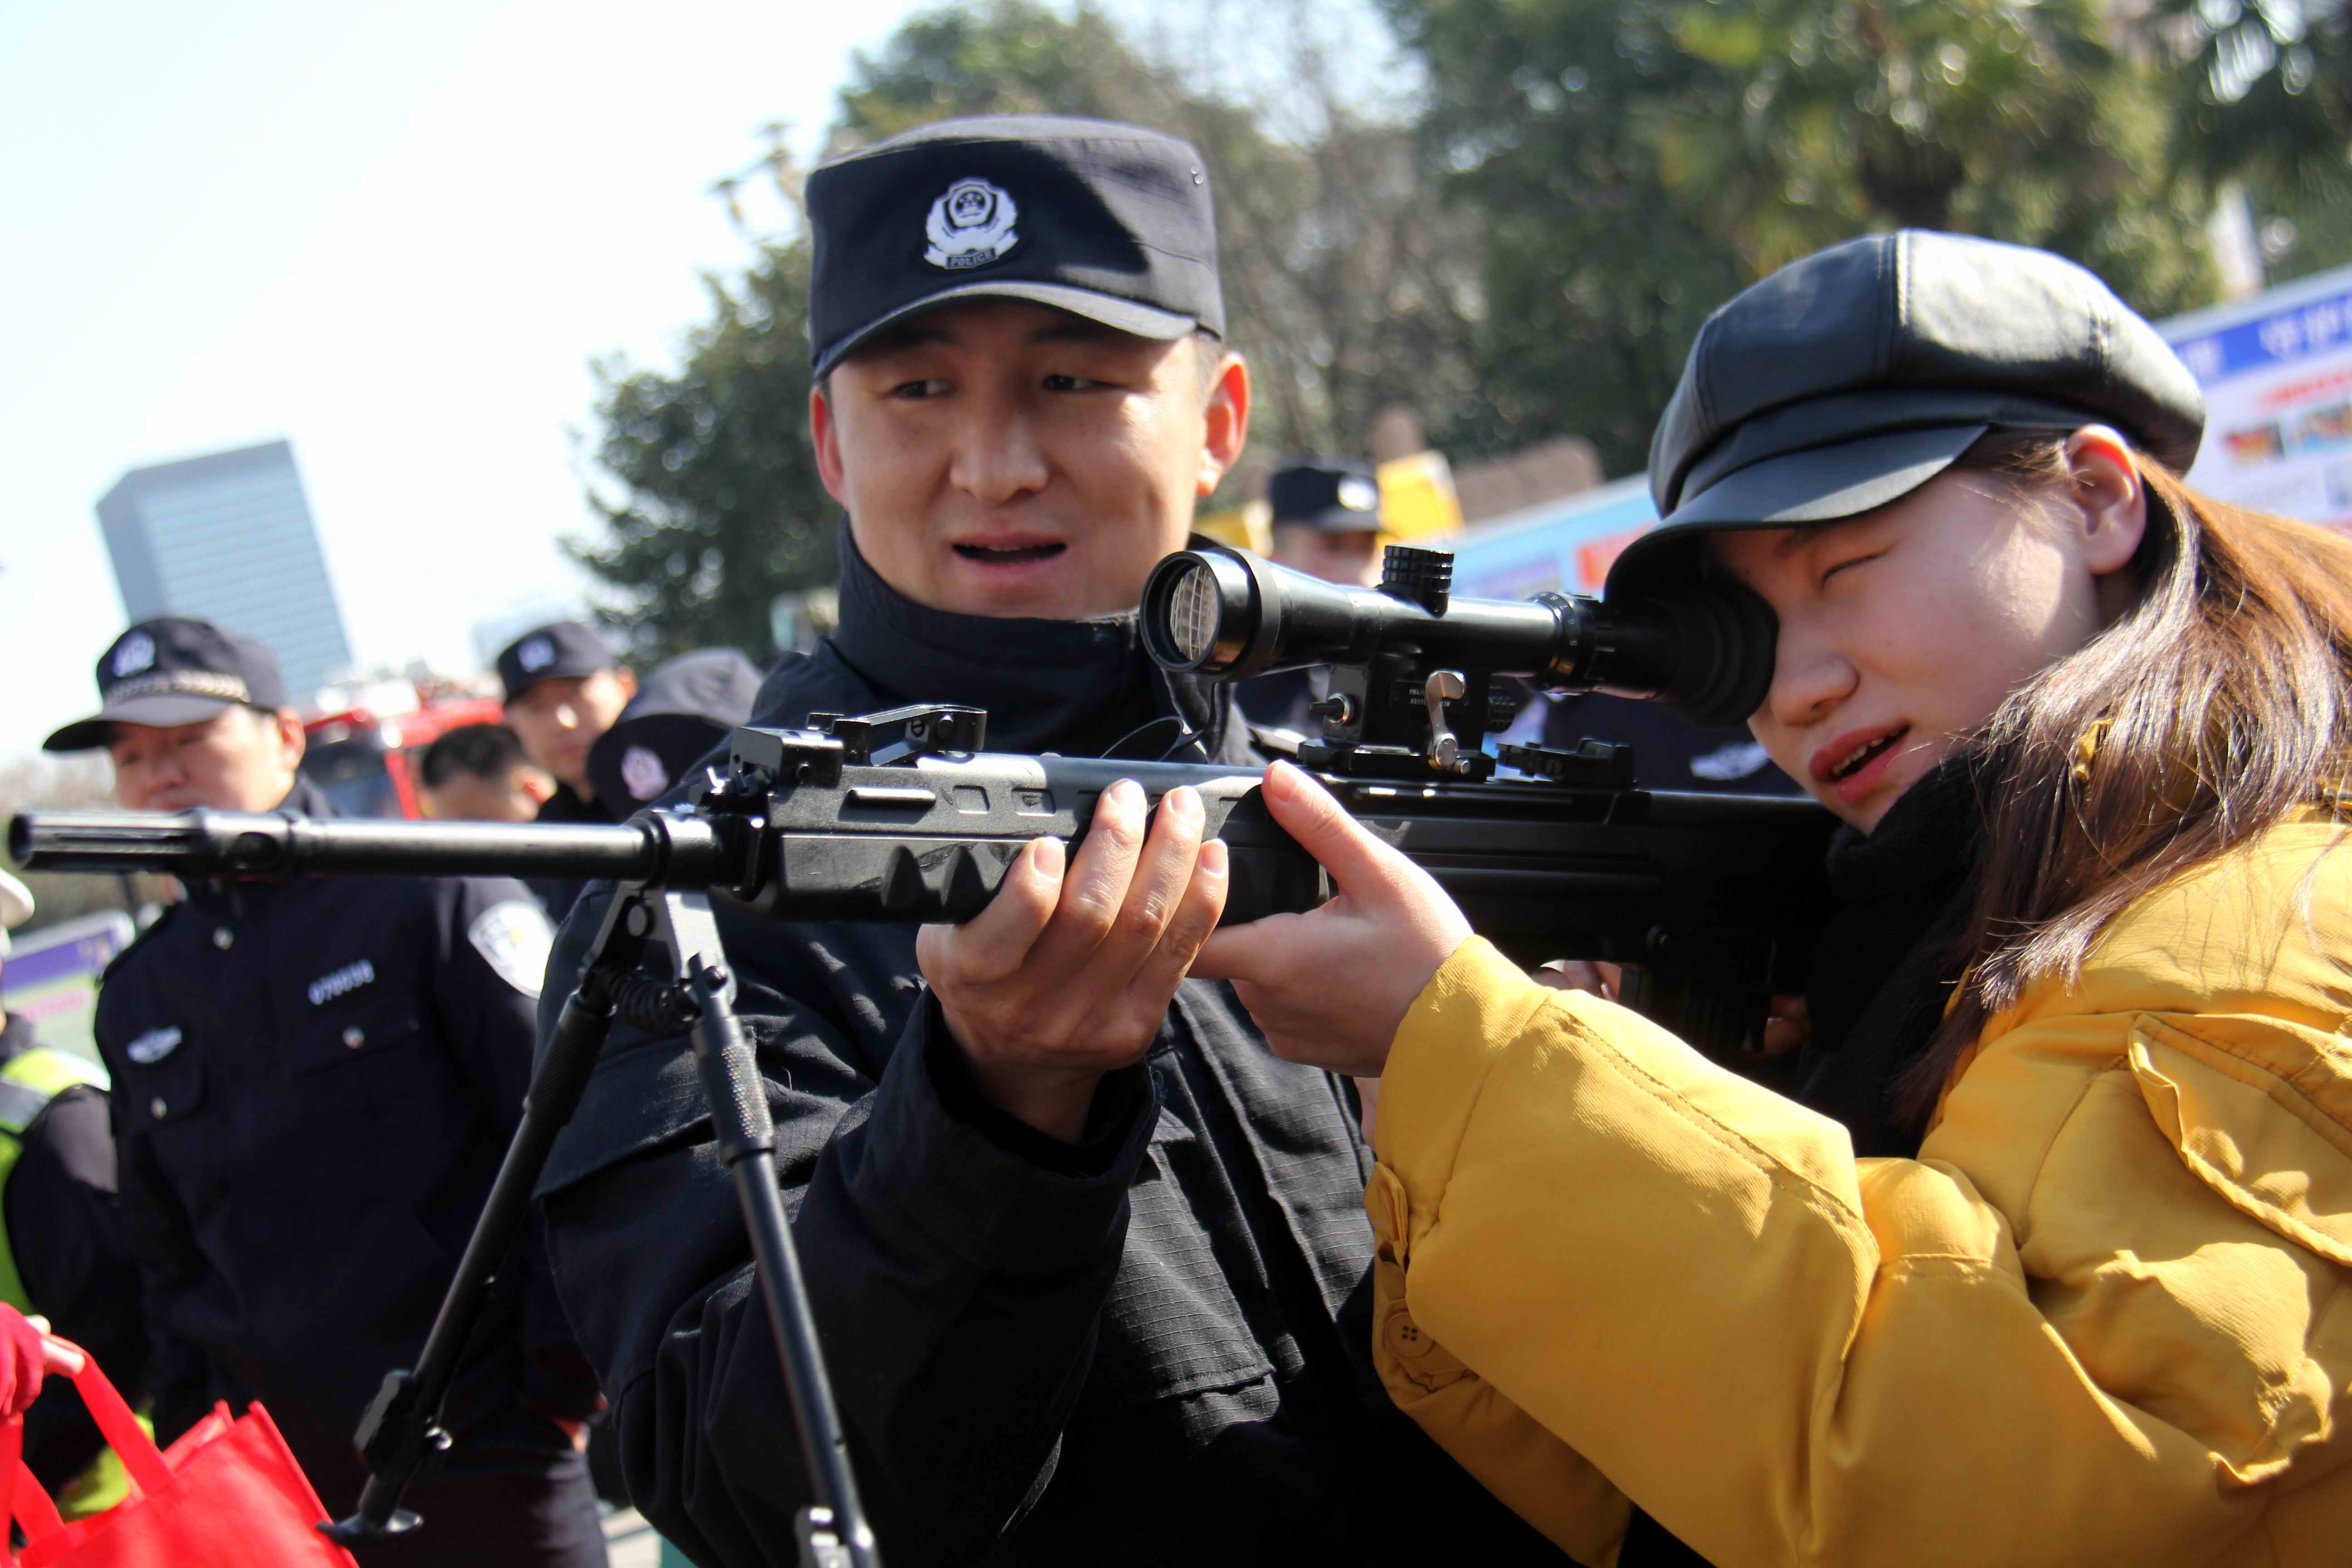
x=1706, y=654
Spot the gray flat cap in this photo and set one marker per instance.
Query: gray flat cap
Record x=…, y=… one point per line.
x=1845, y=381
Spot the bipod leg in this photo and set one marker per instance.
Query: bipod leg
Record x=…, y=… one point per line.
x=402, y=1424
x=833, y=1531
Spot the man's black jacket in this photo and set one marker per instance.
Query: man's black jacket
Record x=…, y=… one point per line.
x=314, y=1082
x=556, y=894
x=1152, y=1348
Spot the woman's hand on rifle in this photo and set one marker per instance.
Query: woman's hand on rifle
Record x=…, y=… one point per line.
x=1330, y=987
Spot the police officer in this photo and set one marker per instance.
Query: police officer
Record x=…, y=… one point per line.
x=314, y=1084
x=61, y=1250
x=563, y=689
x=685, y=707
x=1326, y=523
x=1089, y=1269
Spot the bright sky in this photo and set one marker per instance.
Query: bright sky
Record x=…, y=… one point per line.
x=395, y=233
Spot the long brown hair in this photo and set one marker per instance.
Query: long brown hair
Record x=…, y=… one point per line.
x=2219, y=703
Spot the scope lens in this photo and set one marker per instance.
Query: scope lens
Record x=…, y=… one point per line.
x=1194, y=611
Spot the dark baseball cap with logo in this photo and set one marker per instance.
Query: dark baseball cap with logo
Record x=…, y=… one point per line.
x=1847, y=379
x=1106, y=221
x=1332, y=495
x=558, y=650
x=170, y=670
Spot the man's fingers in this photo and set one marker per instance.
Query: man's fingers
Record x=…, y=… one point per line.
x=1162, y=873
x=1338, y=842
x=1192, y=923
x=995, y=942
x=1094, y=888
x=59, y=1357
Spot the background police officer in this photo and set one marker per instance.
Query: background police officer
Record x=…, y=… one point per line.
x=563, y=689
x=314, y=1084
x=1326, y=523
x=61, y=1250
x=685, y=707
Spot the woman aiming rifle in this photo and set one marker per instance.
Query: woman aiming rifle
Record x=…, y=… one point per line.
x=2049, y=1258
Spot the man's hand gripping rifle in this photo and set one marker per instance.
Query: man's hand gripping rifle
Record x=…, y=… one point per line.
x=902, y=816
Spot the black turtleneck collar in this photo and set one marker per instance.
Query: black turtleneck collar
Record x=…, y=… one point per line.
x=1884, y=965
x=1079, y=687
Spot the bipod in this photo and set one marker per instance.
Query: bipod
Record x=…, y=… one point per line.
x=656, y=962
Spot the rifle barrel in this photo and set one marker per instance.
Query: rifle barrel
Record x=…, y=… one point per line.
x=204, y=843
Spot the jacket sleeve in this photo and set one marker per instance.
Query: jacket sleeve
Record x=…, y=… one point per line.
x=1609, y=1259
x=491, y=943
x=181, y=1378
x=955, y=1273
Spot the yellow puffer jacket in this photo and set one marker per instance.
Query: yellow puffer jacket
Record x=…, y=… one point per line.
x=2105, y=1317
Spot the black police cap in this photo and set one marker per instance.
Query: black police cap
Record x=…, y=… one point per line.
x=1335, y=495
x=1845, y=381
x=174, y=669
x=684, y=707
x=1109, y=222
x=559, y=649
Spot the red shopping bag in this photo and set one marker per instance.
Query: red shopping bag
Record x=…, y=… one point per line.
x=228, y=1495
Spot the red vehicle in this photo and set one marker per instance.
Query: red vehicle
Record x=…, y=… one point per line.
x=365, y=756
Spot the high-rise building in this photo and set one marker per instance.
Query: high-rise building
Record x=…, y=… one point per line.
x=228, y=537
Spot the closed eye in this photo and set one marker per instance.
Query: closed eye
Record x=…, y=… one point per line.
x=1851, y=563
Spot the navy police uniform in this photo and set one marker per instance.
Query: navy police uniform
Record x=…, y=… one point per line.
x=1153, y=1346
x=314, y=1083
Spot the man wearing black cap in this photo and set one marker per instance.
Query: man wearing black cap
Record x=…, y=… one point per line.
x=563, y=689
x=314, y=1083
x=1073, y=1315
x=685, y=707
x=1325, y=516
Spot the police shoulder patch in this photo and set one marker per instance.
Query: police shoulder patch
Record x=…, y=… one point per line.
x=514, y=939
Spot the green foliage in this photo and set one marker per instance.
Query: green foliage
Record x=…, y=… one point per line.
x=723, y=508
x=2263, y=90
x=1646, y=160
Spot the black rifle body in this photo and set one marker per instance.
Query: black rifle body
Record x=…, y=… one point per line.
x=1712, y=898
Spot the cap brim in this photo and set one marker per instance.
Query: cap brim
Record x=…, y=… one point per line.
x=1819, y=484
x=560, y=670
x=1126, y=315
x=160, y=710
x=1334, y=520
